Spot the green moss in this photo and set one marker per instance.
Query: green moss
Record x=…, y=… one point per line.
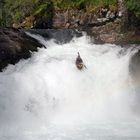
x=18, y=16
x=17, y=10
x=44, y=12
x=65, y=4
x=43, y=8
x=133, y=6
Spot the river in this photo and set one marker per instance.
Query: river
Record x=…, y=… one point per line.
x=47, y=98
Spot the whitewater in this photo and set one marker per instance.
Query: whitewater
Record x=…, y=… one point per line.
x=47, y=98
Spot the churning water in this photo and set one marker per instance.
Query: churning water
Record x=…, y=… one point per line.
x=47, y=98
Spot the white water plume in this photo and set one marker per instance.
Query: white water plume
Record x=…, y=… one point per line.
x=47, y=97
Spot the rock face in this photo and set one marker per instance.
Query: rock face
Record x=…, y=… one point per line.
x=103, y=23
x=134, y=66
x=74, y=18
x=59, y=35
x=106, y=24
x=108, y=33
x=15, y=45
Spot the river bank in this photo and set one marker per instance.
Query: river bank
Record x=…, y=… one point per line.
x=104, y=22
x=110, y=23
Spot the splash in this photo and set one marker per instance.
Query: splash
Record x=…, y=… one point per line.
x=47, y=97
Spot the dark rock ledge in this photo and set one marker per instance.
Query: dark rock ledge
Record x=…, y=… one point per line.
x=15, y=45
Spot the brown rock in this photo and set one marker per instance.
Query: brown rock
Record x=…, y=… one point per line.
x=108, y=38
x=67, y=25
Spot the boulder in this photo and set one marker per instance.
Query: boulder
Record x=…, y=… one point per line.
x=15, y=45
x=59, y=35
x=134, y=66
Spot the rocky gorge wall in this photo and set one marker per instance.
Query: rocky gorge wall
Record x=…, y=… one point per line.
x=15, y=45
x=106, y=24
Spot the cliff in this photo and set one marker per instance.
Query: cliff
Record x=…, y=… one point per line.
x=109, y=21
x=15, y=45
x=107, y=24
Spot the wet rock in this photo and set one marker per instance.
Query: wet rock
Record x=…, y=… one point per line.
x=134, y=66
x=41, y=24
x=106, y=33
x=61, y=19
x=15, y=45
x=108, y=38
x=67, y=25
x=103, y=12
x=59, y=35
x=75, y=18
x=104, y=23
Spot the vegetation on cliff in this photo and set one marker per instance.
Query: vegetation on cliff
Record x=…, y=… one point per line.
x=16, y=10
x=65, y=4
x=133, y=6
x=73, y=14
x=12, y=11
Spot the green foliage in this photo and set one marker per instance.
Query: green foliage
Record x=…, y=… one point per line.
x=17, y=10
x=133, y=6
x=45, y=9
x=64, y=4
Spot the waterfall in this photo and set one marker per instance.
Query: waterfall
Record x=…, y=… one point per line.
x=47, y=97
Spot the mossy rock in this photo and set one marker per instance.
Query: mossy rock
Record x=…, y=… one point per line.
x=28, y=23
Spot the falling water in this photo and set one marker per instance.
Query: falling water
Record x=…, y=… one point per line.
x=47, y=98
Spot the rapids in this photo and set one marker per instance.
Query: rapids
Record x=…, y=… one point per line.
x=47, y=98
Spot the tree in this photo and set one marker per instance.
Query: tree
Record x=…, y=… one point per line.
x=2, y=13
